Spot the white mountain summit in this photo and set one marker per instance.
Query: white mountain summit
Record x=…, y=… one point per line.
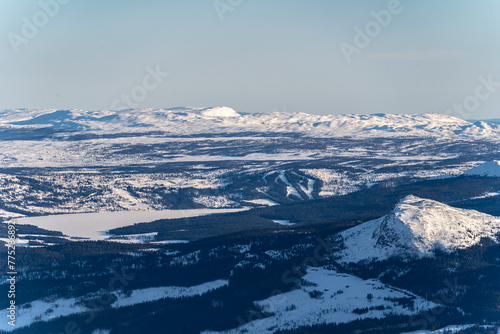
x=488, y=169
x=415, y=228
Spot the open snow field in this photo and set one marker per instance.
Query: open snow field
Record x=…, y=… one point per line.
x=328, y=297
x=47, y=309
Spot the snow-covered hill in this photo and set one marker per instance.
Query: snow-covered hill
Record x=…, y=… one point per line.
x=190, y=120
x=488, y=169
x=328, y=297
x=416, y=227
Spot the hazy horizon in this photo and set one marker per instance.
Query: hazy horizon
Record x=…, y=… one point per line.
x=326, y=57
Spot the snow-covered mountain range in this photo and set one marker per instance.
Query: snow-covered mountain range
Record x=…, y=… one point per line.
x=416, y=227
x=220, y=120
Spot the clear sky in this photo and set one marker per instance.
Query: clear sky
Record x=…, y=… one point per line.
x=253, y=55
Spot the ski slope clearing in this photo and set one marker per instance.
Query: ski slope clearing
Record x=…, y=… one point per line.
x=415, y=228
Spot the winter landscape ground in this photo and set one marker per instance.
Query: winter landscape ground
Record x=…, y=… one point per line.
x=205, y=220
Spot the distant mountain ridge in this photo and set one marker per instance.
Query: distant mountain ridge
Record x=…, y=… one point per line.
x=216, y=120
x=491, y=120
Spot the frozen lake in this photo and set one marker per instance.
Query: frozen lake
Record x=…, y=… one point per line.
x=94, y=226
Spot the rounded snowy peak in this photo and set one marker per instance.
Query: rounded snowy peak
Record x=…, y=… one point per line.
x=417, y=227
x=219, y=112
x=488, y=169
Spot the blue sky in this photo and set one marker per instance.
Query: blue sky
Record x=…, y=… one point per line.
x=428, y=56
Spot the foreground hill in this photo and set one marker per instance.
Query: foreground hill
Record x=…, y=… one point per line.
x=417, y=227
x=488, y=169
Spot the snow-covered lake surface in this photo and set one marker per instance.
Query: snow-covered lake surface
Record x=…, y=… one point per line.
x=94, y=226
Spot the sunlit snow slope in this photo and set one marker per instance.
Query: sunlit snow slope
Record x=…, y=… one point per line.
x=417, y=227
x=488, y=169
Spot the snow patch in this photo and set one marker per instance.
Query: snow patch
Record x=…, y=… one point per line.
x=186, y=260
x=172, y=292
x=134, y=238
x=168, y=242
x=284, y=222
x=447, y=330
x=216, y=202
x=262, y=201
x=9, y=215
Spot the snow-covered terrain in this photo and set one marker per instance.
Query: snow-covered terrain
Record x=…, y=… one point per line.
x=9, y=215
x=283, y=222
x=84, y=173
x=152, y=181
x=416, y=227
x=328, y=297
x=449, y=329
x=76, y=161
x=44, y=310
x=488, y=169
x=262, y=201
x=215, y=201
x=190, y=121
x=151, y=294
